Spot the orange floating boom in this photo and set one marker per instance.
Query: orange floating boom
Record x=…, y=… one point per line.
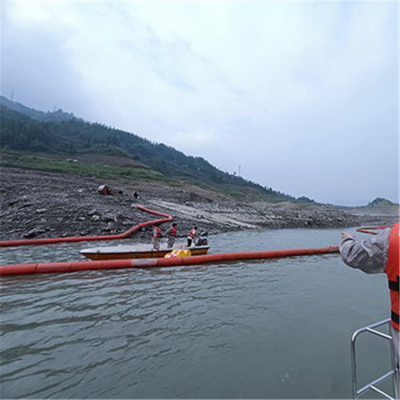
x=20, y=269
x=36, y=242
x=371, y=229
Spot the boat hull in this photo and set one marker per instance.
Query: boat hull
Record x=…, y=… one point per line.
x=128, y=252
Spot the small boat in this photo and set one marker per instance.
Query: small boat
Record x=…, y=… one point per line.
x=138, y=251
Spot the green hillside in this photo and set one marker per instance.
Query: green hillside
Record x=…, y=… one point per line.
x=24, y=130
x=380, y=202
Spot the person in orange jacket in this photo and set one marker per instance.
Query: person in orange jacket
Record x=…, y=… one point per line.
x=378, y=254
x=156, y=235
x=192, y=236
x=171, y=235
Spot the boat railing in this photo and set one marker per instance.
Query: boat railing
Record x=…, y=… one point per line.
x=392, y=374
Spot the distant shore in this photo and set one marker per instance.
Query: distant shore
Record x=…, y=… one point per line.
x=37, y=204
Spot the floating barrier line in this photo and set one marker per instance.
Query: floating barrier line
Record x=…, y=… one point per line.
x=33, y=242
x=370, y=229
x=21, y=269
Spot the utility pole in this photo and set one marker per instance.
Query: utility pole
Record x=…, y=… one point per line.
x=239, y=170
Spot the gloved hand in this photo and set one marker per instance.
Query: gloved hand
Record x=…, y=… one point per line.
x=345, y=235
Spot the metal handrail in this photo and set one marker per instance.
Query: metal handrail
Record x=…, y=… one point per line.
x=393, y=373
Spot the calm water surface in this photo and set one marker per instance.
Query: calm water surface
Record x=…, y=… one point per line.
x=264, y=329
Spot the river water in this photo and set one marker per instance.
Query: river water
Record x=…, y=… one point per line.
x=262, y=329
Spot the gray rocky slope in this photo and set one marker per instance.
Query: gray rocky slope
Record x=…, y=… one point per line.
x=37, y=204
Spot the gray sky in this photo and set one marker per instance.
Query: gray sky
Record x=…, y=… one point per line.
x=302, y=95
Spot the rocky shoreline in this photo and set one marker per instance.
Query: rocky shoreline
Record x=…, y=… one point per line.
x=37, y=204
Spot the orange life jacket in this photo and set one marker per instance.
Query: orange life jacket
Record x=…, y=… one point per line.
x=172, y=231
x=392, y=271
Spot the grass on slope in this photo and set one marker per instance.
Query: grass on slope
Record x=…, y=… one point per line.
x=62, y=165
x=118, y=168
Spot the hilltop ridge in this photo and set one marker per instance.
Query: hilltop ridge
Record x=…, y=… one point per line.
x=57, y=115
x=27, y=130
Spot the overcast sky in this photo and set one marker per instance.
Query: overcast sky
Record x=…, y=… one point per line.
x=302, y=96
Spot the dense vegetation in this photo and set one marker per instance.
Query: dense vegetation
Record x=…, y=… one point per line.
x=59, y=133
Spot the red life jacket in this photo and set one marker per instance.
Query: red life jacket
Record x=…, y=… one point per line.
x=172, y=231
x=156, y=232
x=392, y=271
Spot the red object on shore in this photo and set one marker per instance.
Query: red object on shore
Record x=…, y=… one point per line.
x=36, y=242
x=104, y=190
x=21, y=269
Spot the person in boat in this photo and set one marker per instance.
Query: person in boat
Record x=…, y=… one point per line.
x=378, y=254
x=171, y=234
x=202, y=241
x=192, y=236
x=156, y=235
